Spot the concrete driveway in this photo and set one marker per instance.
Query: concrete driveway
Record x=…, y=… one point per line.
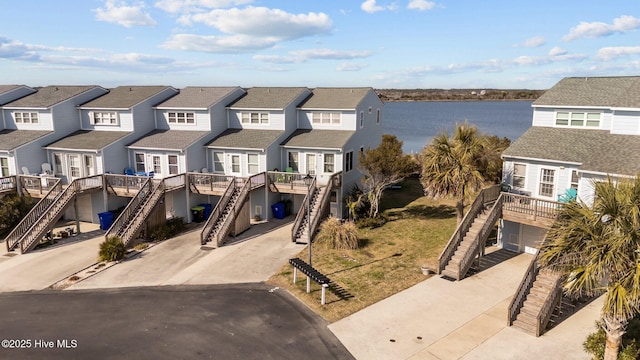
x=41, y=268
x=253, y=257
x=441, y=319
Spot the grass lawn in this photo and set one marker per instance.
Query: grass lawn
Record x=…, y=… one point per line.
x=388, y=259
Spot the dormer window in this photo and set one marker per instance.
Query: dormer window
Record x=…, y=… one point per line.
x=181, y=117
x=326, y=118
x=26, y=117
x=578, y=119
x=104, y=117
x=255, y=118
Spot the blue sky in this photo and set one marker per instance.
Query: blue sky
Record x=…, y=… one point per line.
x=377, y=43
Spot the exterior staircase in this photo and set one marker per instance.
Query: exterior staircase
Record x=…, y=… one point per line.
x=469, y=238
x=222, y=218
x=302, y=233
x=538, y=295
x=130, y=221
x=48, y=211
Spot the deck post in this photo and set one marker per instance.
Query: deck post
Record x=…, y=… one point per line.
x=295, y=274
x=308, y=284
x=324, y=287
x=75, y=210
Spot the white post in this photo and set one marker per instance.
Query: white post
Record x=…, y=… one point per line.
x=308, y=285
x=295, y=274
x=324, y=286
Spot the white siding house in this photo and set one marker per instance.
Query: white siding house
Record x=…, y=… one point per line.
x=584, y=129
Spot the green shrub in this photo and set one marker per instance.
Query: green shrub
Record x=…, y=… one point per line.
x=13, y=208
x=167, y=230
x=371, y=222
x=112, y=249
x=337, y=235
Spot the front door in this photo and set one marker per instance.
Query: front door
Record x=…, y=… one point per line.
x=235, y=165
x=311, y=164
x=75, y=166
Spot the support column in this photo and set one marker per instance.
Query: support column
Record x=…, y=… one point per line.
x=75, y=210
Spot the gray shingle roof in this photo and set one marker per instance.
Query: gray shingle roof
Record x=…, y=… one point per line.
x=48, y=96
x=335, y=98
x=268, y=97
x=620, y=91
x=321, y=139
x=245, y=139
x=197, y=97
x=124, y=97
x=11, y=139
x=168, y=139
x=88, y=140
x=7, y=88
x=595, y=150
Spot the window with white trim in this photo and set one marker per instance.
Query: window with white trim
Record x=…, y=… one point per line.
x=329, y=163
x=157, y=166
x=218, y=161
x=578, y=118
x=89, y=165
x=255, y=118
x=348, y=161
x=140, y=162
x=253, y=166
x=26, y=117
x=4, y=166
x=174, y=169
x=326, y=118
x=546, y=182
x=294, y=160
x=176, y=117
x=518, y=177
x=235, y=163
x=104, y=117
x=574, y=179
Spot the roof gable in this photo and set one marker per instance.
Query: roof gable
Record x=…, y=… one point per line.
x=335, y=98
x=49, y=96
x=125, y=97
x=617, y=91
x=269, y=97
x=198, y=97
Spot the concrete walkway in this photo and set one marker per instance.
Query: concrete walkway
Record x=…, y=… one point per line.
x=442, y=319
x=253, y=257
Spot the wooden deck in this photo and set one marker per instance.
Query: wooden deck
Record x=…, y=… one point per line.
x=529, y=211
x=288, y=183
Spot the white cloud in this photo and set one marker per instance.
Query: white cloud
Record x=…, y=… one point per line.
x=120, y=13
x=349, y=66
x=217, y=44
x=265, y=22
x=614, y=52
x=371, y=7
x=185, y=6
x=300, y=56
x=421, y=5
x=622, y=24
x=533, y=42
x=556, y=51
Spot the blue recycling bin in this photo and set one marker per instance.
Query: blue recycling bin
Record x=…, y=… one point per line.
x=207, y=210
x=106, y=220
x=278, y=210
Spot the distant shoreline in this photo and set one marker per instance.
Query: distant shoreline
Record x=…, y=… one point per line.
x=410, y=95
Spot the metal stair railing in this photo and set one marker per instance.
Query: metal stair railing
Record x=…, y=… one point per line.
x=120, y=223
x=58, y=205
x=302, y=212
x=480, y=239
x=32, y=217
x=252, y=182
x=486, y=195
x=217, y=211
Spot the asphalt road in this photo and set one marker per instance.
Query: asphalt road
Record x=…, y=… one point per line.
x=246, y=321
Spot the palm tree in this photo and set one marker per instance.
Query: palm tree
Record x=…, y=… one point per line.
x=597, y=248
x=453, y=166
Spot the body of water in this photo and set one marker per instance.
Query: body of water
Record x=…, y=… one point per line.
x=416, y=123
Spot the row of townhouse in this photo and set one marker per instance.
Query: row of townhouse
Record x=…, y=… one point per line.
x=160, y=131
x=584, y=129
